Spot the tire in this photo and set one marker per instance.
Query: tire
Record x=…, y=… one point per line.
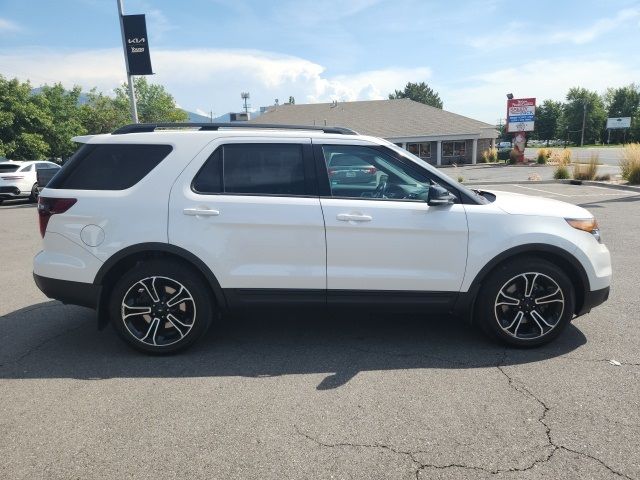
x=526, y=302
x=33, y=197
x=161, y=307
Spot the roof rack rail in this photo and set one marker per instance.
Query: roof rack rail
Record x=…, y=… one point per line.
x=151, y=127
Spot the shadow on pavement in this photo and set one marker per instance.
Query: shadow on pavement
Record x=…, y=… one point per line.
x=51, y=340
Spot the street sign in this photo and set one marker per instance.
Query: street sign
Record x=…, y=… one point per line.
x=521, y=114
x=619, y=122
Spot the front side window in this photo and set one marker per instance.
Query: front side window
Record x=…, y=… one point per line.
x=369, y=173
x=253, y=169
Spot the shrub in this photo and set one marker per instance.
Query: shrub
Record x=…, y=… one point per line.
x=586, y=171
x=603, y=178
x=503, y=154
x=561, y=172
x=490, y=155
x=513, y=157
x=543, y=155
x=460, y=179
x=630, y=163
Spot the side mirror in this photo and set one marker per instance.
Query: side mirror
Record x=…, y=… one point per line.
x=439, y=196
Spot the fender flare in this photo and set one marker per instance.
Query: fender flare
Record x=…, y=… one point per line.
x=466, y=300
x=153, y=247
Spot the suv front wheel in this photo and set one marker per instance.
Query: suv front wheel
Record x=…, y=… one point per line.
x=526, y=302
x=160, y=307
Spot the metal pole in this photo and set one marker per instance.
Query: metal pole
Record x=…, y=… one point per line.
x=132, y=96
x=584, y=119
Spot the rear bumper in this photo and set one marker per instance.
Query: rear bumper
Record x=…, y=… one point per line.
x=593, y=299
x=74, y=293
x=9, y=192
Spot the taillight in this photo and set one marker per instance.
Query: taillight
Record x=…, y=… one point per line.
x=372, y=170
x=47, y=207
x=332, y=172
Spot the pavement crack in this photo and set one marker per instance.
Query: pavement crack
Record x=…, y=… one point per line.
x=410, y=455
x=39, y=346
x=599, y=360
x=521, y=388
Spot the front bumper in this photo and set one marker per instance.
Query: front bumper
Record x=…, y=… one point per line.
x=593, y=299
x=74, y=293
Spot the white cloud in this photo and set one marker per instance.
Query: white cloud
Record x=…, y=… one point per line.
x=212, y=79
x=517, y=33
x=485, y=99
x=7, y=26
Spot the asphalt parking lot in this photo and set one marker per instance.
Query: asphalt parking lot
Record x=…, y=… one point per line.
x=311, y=395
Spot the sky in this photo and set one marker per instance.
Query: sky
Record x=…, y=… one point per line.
x=206, y=52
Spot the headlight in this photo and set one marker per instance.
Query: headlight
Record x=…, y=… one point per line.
x=589, y=225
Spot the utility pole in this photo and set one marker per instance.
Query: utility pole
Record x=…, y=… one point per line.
x=132, y=96
x=245, y=96
x=584, y=119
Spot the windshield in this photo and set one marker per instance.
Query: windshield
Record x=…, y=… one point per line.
x=445, y=179
x=8, y=167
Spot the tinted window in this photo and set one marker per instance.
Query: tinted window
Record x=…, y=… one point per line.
x=28, y=168
x=209, y=178
x=265, y=169
x=42, y=165
x=8, y=168
x=338, y=160
x=389, y=178
x=109, y=166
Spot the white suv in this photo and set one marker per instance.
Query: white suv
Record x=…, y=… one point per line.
x=162, y=227
x=19, y=179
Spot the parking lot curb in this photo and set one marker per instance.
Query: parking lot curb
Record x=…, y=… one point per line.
x=628, y=188
x=514, y=182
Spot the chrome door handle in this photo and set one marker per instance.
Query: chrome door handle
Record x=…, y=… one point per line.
x=201, y=212
x=349, y=217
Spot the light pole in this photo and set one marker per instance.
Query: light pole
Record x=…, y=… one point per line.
x=132, y=96
x=584, y=120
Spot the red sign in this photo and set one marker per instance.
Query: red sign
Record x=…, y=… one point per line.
x=521, y=114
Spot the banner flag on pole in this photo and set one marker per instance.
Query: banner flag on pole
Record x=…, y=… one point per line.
x=137, y=45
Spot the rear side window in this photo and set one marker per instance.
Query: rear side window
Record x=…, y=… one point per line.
x=253, y=169
x=8, y=168
x=109, y=166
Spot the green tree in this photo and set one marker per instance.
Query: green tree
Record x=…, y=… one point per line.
x=548, y=116
x=624, y=102
x=577, y=100
x=103, y=114
x=154, y=103
x=292, y=100
x=418, y=92
x=24, y=118
x=65, y=119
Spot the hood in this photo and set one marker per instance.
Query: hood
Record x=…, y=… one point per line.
x=519, y=204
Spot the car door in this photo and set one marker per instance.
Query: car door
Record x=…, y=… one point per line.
x=383, y=238
x=249, y=208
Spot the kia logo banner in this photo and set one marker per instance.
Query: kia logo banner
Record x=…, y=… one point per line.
x=137, y=45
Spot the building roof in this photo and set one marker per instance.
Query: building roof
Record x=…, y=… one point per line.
x=396, y=118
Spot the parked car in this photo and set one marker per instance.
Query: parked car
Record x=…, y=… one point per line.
x=504, y=145
x=19, y=179
x=44, y=175
x=161, y=229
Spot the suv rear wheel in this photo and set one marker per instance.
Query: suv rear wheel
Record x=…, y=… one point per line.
x=160, y=307
x=526, y=302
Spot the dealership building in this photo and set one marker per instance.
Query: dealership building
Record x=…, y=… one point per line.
x=435, y=135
